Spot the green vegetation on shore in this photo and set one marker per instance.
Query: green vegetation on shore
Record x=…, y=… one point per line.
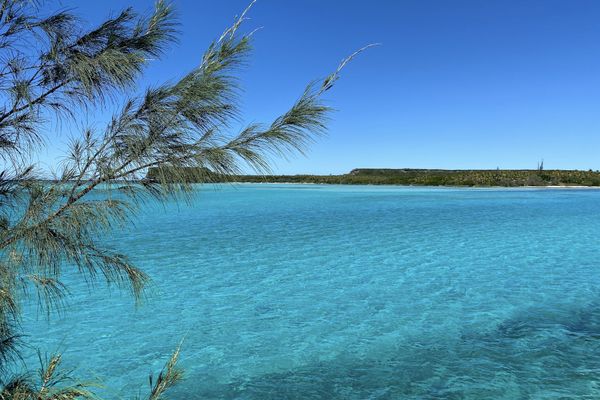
x=425, y=177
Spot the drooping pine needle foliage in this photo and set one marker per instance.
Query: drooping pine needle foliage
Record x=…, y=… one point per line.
x=53, y=68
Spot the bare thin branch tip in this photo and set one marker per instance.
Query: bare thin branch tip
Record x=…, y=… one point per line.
x=330, y=80
x=356, y=53
x=231, y=31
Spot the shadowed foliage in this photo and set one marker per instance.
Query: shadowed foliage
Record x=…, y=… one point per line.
x=54, y=68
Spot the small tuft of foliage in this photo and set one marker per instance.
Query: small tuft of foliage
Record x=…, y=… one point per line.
x=52, y=383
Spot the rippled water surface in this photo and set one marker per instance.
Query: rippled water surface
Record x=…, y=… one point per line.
x=339, y=292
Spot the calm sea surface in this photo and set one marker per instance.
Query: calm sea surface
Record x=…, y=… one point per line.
x=350, y=292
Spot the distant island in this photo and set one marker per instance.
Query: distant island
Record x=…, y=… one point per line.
x=404, y=176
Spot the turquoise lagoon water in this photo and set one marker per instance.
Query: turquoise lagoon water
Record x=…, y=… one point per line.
x=351, y=292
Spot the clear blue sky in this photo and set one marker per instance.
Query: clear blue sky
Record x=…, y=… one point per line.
x=456, y=84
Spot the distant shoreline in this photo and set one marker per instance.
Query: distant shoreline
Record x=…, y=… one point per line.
x=407, y=186
x=403, y=177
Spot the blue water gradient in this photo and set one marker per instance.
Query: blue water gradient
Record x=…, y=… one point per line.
x=351, y=292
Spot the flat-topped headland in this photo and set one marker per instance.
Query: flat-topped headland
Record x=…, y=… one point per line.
x=404, y=176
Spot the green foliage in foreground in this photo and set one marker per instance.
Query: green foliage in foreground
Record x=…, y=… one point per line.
x=68, y=71
x=424, y=177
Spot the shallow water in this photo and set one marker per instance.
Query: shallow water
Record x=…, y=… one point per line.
x=353, y=292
